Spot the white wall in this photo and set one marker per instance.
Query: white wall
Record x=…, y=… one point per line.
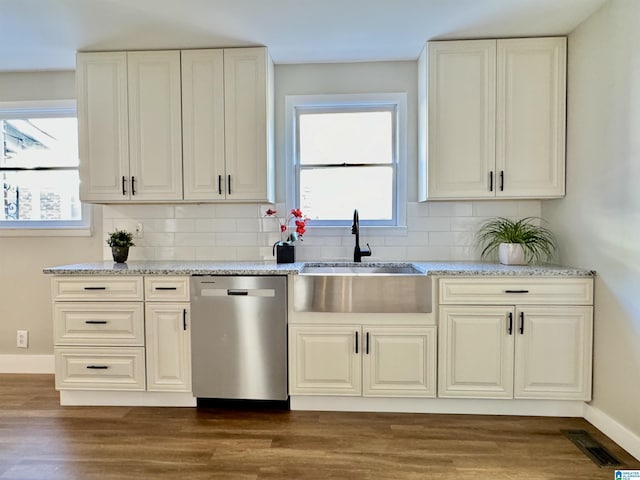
x=25, y=293
x=600, y=217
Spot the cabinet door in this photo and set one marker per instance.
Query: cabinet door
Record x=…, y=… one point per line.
x=553, y=352
x=203, y=124
x=476, y=352
x=103, y=131
x=530, y=125
x=248, y=93
x=399, y=362
x=461, y=119
x=168, y=342
x=325, y=359
x=155, y=137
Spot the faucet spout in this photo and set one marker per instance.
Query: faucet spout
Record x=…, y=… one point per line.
x=358, y=251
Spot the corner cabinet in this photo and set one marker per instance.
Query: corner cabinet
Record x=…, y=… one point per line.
x=192, y=125
x=492, y=119
x=362, y=360
x=515, y=338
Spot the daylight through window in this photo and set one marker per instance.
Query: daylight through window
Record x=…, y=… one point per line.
x=346, y=157
x=39, y=168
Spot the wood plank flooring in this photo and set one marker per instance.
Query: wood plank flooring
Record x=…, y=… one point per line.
x=41, y=440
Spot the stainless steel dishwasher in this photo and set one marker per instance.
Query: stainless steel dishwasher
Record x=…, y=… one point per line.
x=239, y=337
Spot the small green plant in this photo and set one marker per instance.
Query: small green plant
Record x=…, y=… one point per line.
x=537, y=242
x=120, y=238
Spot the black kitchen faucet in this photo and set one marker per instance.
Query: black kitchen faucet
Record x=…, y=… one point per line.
x=358, y=252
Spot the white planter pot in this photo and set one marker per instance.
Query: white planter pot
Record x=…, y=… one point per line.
x=511, y=254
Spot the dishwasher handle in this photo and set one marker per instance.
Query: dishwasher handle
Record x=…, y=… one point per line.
x=239, y=293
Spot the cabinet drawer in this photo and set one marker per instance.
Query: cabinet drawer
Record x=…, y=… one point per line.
x=512, y=291
x=96, y=288
x=167, y=288
x=79, y=368
x=85, y=323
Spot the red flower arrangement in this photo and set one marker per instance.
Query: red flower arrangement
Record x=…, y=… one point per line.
x=287, y=234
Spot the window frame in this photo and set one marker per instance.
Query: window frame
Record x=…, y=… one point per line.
x=44, y=109
x=344, y=103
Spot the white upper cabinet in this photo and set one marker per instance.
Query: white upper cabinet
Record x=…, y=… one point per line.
x=492, y=119
x=461, y=118
x=248, y=93
x=155, y=138
x=530, y=117
x=103, y=125
x=151, y=123
x=203, y=124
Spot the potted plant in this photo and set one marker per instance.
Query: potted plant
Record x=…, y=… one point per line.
x=284, y=249
x=518, y=242
x=120, y=241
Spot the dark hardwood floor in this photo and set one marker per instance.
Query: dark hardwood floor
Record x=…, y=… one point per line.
x=41, y=440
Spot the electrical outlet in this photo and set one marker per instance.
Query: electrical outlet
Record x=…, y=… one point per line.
x=139, y=230
x=23, y=339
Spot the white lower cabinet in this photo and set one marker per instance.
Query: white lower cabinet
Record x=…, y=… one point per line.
x=362, y=360
x=168, y=342
x=514, y=351
x=129, y=333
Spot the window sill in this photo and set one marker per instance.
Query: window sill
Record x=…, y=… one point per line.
x=45, y=232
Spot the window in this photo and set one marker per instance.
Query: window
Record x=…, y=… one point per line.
x=347, y=153
x=39, y=167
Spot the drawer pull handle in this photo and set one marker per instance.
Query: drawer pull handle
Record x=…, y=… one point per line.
x=367, y=344
x=356, y=342
x=97, y=367
x=95, y=322
x=516, y=291
x=95, y=288
x=166, y=288
x=184, y=319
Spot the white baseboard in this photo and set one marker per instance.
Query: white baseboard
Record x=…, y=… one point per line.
x=27, y=364
x=614, y=430
x=96, y=398
x=541, y=408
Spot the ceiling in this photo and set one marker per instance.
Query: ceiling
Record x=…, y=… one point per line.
x=44, y=34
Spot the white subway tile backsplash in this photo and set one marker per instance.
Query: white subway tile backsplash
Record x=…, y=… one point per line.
x=450, y=209
x=222, y=232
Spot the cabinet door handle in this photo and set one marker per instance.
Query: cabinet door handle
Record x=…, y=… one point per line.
x=166, y=288
x=97, y=367
x=229, y=184
x=219, y=184
x=521, y=323
x=356, y=342
x=510, y=329
x=133, y=185
x=502, y=180
x=516, y=291
x=366, y=343
x=95, y=288
x=124, y=185
x=491, y=181
x=184, y=319
x=95, y=322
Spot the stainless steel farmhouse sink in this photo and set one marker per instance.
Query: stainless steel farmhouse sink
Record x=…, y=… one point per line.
x=360, y=270
x=362, y=288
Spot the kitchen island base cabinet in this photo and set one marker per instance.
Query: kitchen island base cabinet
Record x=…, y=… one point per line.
x=356, y=360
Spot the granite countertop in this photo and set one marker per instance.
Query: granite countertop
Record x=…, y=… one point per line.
x=271, y=268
